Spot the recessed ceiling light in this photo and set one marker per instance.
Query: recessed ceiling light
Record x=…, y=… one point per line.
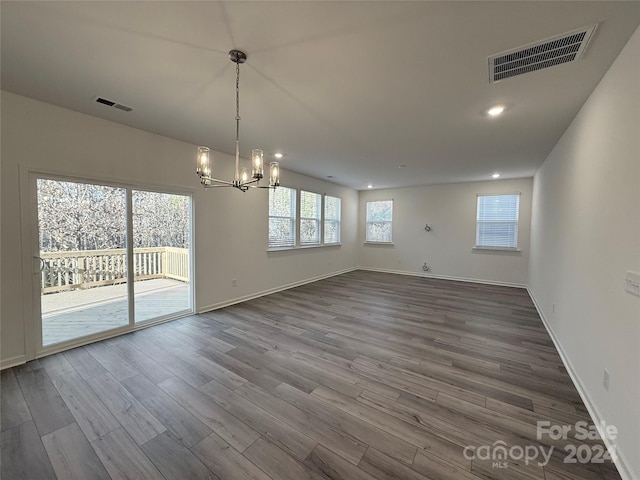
x=402, y=165
x=496, y=175
x=277, y=155
x=495, y=111
x=369, y=186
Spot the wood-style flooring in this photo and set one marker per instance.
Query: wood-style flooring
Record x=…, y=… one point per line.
x=361, y=376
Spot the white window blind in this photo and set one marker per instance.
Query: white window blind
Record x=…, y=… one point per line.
x=310, y=215
x=379, y=221
x=497, y=221
x=282, y=217
x=332, y=207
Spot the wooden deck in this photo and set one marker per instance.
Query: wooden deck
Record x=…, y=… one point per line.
x=68, y=315
x=363, y=376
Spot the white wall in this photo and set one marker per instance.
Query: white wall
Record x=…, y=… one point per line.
x=585, y=236
x=231, y=227
x=448, y=248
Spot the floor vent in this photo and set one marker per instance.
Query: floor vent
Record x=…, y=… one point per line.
x=564, y=48
x=109, y=103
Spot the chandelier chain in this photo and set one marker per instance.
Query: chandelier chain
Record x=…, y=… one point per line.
x=237, y=91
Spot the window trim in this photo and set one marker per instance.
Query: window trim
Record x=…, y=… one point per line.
x=490, y=248
x=367, y=222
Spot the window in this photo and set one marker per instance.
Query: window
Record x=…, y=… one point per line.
x=310, y=215
x=332, y=207
x=379, y=221
x=282, y=217
x=497, y=221
x=315, y=223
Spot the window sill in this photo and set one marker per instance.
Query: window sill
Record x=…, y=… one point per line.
x=497, y=249
x=379, y=243
x=302, y=247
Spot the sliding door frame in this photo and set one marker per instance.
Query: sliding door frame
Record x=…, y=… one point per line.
x=32, y=311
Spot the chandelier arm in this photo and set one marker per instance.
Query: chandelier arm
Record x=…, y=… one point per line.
x=222, y=183
x=250, y=182
x=241, y=187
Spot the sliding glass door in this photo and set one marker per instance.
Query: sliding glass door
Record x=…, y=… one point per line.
x=109, y=258
x=161, y=227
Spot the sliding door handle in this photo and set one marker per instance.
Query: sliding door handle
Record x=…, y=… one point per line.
x=40, y=266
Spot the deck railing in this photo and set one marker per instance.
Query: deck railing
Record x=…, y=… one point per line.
x=94, y=268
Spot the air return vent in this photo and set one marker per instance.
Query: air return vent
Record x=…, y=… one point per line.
x=564, y=48
x=109, y=103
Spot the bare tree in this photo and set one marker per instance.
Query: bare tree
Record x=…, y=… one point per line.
x=78, y=216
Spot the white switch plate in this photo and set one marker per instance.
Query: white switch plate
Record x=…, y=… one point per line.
x=632, y=281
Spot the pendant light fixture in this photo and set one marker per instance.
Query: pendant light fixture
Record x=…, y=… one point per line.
x=243, y=179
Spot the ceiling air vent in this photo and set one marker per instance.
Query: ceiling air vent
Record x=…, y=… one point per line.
x=109, y=103
x=564, y=48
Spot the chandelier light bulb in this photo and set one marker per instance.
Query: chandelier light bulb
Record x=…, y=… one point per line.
x=257, y=161
x=274, y=174
x=204, y=162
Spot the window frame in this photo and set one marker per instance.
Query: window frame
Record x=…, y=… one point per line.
x=368, y=222
x=515, y=238
x=294, y=227
x=336, y=221
x=318, y=220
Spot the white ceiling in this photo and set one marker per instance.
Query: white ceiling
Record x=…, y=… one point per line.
x=345, y=89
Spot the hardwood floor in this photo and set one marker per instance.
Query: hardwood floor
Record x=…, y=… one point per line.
x=362, y=376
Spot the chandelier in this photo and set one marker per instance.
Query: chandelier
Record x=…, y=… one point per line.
x=242, y=180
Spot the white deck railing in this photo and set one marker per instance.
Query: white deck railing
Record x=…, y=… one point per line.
x=94, y=268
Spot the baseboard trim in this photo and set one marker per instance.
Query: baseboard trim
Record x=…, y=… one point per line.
x=12, y=361
x=620, y=460
x=245, y=298
x=445, y=277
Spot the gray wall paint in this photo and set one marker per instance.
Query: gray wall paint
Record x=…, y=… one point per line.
x=448, y=247
x=585, y=236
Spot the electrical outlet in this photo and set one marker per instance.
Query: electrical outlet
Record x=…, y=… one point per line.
x=234, y=283
x=632, y=281
x=553, y=308
x=605, y=379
